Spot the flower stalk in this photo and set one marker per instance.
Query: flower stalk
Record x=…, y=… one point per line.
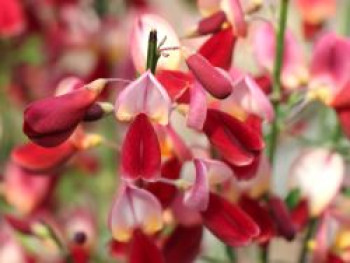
x=276, y=93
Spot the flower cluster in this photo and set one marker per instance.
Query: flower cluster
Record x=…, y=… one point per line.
x=199, y=142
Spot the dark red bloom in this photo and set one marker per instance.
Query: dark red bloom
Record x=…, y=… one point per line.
x=236, y=141
x=212, y=23
x=165, y=192
x=144, y=250
x=20, y=225
x=283, y=220
x=39, y=159
x=51, y=121
x=261, y=216
x=218, y=49
x=215, y=81
x=140, y=155
x=229, y=222
x=341, y=104
x=183, y=245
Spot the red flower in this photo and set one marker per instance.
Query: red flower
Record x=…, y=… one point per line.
x=51, y=121
x=237, y=142
x=229, y=222
x=143, y=249
x=140, y=156
x=211, y=24
x=183, y=244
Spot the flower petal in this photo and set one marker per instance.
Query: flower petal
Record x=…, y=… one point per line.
x=25, y=191
x=212, y=79
x=50, y=121
x=218, y=49
x=261, y=216
x=229, y=222
x=330, y=62
x=140, y=154
x=144, y=250
x=183, y=245
x=197, y=197
x=283, y=220
x=134, y=208
x=175, y=82
x=235, y=140
x=211, y=24
x=235, y=15
x=318, y=173
x=39, y=159
x=144, y=95
x=250, y=97
x=197, y=108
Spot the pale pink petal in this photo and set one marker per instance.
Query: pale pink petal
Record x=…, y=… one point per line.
x=134, y=208
x=23, y=190
x=197, y=197
x=197, y=108
x=183, y=214
x=330, y=63
x=144, y=95
x=318, y=173
x=248, y=95
x=235, y=15
x=139, y=42
x=181, y=150
x=264, y=43
x=217, y=171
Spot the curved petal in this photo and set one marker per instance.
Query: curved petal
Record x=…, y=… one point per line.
x=140, y=154
x=144, y=95
x=198, y=107
x=211, y=78
x=134, y=208
x=235, y=15
x=197, y=197
x=39, y=159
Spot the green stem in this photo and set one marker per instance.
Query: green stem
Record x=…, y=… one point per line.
x=152, y=52
x=231, y=255
x=311, y=228
x=276, y=93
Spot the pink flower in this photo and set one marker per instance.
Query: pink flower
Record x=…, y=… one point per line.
x=144, y=95
x=134, y=208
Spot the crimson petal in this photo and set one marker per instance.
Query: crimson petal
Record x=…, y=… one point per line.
x=261, y=216
x=216, y=82
x=229, y=222
x=218, y=49
x=235, y=140
x=39, y=159
x=143, y=250
x=50, y=121
x=183, y=244
x=140, y=154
